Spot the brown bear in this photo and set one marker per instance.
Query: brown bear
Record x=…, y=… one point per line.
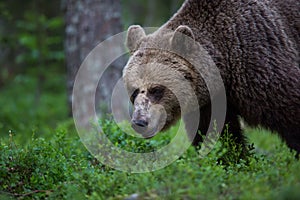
x=254, y=45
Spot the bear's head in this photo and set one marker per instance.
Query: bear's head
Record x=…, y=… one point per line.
x=160, y=82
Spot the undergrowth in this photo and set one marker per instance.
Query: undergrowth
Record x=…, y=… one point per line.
x=61, y=168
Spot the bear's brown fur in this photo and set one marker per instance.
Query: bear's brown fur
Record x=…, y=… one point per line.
x=255, y=45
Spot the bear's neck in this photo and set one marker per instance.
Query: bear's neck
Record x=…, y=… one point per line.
x=200, y=16
x=195, y=14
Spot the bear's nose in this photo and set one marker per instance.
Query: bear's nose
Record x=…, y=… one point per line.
x=139, y=122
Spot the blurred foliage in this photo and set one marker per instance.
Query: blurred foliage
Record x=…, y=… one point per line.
x=148, y=13
x=32, y=32
x=25, y=112
x=32, y=73
x=36, y=38
x=31, y=37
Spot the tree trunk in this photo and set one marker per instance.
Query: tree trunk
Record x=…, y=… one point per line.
x=88, y=22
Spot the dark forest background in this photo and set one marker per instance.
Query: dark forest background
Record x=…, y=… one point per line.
x=38, y=61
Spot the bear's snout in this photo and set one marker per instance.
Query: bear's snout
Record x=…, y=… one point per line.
x=141, y=115
x=139, y=121
x=148, y=118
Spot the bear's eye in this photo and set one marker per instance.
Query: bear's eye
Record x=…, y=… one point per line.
x=134, y=95
x=156, y=93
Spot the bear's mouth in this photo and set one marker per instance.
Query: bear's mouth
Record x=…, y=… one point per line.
x=149, y=136
x=145, y=132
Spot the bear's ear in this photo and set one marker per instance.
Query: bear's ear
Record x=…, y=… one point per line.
x=134, y=34
x=183, y=39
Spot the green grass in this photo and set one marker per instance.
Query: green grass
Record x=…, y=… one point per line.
x=61, y=168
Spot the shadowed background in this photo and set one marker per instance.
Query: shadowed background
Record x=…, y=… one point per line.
x=42, y=45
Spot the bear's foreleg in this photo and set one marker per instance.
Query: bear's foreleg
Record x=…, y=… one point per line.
x=231, y=126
